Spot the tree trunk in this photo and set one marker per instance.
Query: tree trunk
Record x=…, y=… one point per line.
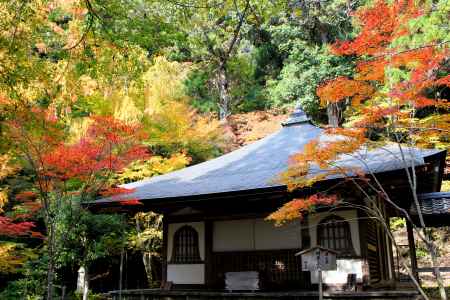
x=121, y=273
x=434, y=264
x=147, y=259
x=224, y=94
x=51, y=259
x=334, y=112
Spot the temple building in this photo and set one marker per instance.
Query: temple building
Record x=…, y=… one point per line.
x=215, y=227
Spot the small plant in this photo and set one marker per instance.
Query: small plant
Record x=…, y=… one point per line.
x=397, y=223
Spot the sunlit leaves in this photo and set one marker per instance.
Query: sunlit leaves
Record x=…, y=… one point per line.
x=404, y=73
x=320, y=155
x=156, y=165
x=394, y=80
x=297, y=208
x=13, y=256
x=341, y=88
x=172, y=124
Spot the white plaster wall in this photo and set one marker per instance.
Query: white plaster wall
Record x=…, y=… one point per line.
x=186, y=274
x=234, y=235
x=339, y=276
x=199, y=226
x=254, y=234
x=269, y=237
x=345, y=266
x=350, y=216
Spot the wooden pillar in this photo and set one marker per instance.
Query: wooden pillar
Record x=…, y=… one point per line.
x=306, y=239
x=412, y=249
x=164, y=250
x=306, y=243
x=209, y=275
x=362, y=225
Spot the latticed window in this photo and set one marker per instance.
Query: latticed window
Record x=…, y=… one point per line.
x=185, y=246
x=334, y=233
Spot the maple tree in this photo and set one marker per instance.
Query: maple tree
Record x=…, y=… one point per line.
x=72, y=172
x=13, y=225
x=401, y=71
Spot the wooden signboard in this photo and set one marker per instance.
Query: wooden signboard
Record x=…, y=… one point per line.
x=318, y=259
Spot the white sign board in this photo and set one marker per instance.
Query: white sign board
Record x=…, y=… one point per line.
x=318, y=258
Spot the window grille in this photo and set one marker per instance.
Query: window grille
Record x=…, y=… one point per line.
x=334, y=233
x=185, y=246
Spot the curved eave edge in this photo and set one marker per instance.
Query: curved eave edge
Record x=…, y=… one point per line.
x=153, y=202
x=104, y=203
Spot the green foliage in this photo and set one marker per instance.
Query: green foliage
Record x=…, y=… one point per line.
x=147, y=24
x=85, y=238
x=147, y=238
x=306, y=68
x=200, y=90
x=32, y=285
x=245, y=87
x=428, y=28
x=397, y=223
x=421, y=252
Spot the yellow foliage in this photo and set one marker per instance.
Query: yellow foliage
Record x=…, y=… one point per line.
x=445, y=186
x=177, y=123
x=169, y=118
x=156, y=165
x=164, y=84
x=6, y=168
x=126, y=109
x=13, y=256
x=149, y=233
x=3, y=198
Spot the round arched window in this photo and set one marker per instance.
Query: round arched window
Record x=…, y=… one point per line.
x=334, y=233
x=185, y=246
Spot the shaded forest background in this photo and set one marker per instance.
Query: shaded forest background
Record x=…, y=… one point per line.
x=201, y=77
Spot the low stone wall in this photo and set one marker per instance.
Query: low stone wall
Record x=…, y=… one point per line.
x=152, y=294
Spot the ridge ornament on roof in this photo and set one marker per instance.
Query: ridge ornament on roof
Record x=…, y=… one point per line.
x=298, y=116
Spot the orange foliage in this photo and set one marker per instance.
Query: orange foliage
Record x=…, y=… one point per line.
x=131, y=202
x=341, y=88
x=26, y=196
x=372, y=70
x=109, y=146
x=381, y=23
x=116, y=191
x=322, y=155
x=297, y=208
x=376, y=102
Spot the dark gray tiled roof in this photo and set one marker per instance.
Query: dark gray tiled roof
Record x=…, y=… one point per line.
x=256, y=166
x=433, y=204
